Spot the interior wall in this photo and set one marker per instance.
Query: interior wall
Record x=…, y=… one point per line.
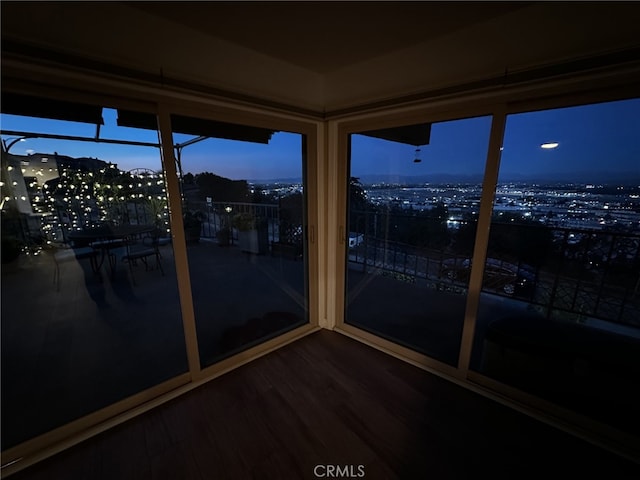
x=534, y=36
x=116, y=34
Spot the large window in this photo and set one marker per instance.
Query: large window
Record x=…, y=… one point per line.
x=244, y=218
x=559, y=314
x=414, y=196
x=90, y=306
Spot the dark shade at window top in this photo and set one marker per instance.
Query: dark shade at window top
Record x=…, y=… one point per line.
x=30, y=106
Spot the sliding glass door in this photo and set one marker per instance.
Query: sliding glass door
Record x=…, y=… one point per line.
x=243, y=201
x=559, y=314
x=90, y=306
x=413, y=204
x=97, y=294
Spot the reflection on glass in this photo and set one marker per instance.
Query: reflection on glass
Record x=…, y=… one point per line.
x=411, y=231
x=560, y=312
x=90, y=309
x=243, y=207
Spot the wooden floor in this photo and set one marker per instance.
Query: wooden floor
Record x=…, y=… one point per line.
x=329, y=400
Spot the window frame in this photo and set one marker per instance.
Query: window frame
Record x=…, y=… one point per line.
x=115, y=95
x=552, y=95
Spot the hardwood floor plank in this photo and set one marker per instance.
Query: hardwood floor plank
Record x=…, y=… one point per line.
x=175, y=463
x=328, y=401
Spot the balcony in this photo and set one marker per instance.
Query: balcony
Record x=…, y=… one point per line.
x=561, y=323
x=85, y=338
x=582, y=275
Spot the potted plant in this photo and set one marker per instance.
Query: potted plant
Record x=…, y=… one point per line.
x=224, y=235
x=252, y=233
x=245, y=223
x=192, y=221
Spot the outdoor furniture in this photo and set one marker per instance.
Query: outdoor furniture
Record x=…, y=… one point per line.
x=106, y=248
x=107, y=239
x=142, y=250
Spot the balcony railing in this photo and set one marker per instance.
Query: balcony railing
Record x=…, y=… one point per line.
x=575, y=273
x=569, y=273
x=219, y=215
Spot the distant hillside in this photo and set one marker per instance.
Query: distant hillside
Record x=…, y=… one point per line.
x=598, y=177
x=616, y=178
x=271, y=181
x=418, y=179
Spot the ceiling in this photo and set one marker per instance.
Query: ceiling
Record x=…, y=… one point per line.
x=325, y=36
x=321, y=56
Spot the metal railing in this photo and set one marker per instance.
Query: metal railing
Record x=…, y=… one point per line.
x=580, y=273
x=220, y=215
x=572, y=273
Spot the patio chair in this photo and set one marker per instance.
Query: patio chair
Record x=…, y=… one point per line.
x=140, y=250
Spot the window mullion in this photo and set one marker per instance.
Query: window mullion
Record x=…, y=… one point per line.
x=482, y=237
x=174, y=201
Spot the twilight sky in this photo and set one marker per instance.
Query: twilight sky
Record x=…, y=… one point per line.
x=595, y=138
x=598, y=138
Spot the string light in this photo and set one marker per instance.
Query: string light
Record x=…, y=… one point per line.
x=81, y=198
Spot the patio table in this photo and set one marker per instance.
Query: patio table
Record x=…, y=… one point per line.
x=107, y=238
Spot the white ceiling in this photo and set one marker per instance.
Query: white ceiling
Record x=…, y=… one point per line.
x=325, y=56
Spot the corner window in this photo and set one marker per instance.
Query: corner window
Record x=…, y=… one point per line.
x=414, y=197
x=244, y=215
x=559, y=314
x=90, y=305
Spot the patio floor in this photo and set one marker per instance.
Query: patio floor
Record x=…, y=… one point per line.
x=97, y=339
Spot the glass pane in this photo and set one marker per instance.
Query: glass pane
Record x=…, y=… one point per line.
x=560, y=312
x=90, y=307
x=413, y=205
x=243, y=203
